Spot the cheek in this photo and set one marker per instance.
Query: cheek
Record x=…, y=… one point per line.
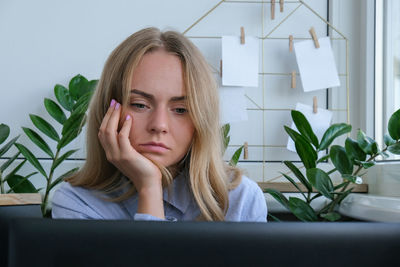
x=187, y=132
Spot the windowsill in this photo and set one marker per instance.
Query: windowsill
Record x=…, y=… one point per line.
x=371, y=207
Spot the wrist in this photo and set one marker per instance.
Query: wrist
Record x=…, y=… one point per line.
x=151, y=201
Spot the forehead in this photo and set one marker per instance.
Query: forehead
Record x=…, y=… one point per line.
x=159, y=72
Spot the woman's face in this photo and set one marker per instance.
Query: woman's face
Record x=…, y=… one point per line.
x=162, y=129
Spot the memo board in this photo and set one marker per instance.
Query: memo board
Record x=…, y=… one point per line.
x=269, y=105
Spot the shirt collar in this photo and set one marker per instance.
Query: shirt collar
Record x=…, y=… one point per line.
x=180, y=196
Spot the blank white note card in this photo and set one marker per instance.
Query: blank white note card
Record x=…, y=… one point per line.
x=232, y=104
x=240, y=61
x=317, y=66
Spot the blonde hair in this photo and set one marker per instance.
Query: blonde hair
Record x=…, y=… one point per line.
x=210, y=178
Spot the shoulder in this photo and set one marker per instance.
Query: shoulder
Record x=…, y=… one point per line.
x=247, y=201
x=246, y=188
x=77, y=202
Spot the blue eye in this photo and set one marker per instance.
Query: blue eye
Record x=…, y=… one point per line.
x=138, y=105
x=180, y=110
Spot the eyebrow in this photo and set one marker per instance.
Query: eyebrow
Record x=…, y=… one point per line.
x=151, y=97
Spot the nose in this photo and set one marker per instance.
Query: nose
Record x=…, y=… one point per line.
x=158, y=122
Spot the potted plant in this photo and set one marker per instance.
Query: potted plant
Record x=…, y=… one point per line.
x=350, y=161
x=70, y=112
x=20, y=192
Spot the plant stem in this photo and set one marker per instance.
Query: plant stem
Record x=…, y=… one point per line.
x=46, y=195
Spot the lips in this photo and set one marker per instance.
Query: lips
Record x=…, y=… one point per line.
x=154, y=147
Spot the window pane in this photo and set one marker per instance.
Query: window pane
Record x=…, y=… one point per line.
x=391, y=61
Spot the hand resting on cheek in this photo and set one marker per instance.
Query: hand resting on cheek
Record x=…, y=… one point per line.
x=144, y=174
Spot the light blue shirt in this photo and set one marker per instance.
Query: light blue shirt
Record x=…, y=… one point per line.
x=246, y=203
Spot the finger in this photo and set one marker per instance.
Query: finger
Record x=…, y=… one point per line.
x=107, y=116
x=125, y=145
x=108, y=130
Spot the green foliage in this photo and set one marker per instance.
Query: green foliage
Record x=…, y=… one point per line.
x=349, y=161
x=225, y=129
x=69, y=111
x=16, y=183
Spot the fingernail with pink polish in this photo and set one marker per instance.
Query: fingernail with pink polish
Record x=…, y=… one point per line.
x=112, y=103
x=128, y=117
x=117, y=106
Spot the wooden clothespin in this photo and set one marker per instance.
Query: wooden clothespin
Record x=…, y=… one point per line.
x=272, y=9
x=220, y=68
x=281, y=3
x=242, y=36
x=314, y=36
x=293, y=79
x=290, y=43
x=246, y=151
x=315, y=105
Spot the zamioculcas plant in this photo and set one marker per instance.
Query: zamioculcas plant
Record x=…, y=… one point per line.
x=349, y=160
x=16, y=183
x=70, y=112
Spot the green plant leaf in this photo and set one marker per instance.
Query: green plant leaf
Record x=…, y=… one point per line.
x=292, y=133
x=340, y=160
x=63, y=97
x=82, y=104
x=225, y=133
x=321, y=181
x=298, y=174
x=294, y=183
x=367, y=164
x=78, y=86
x=92, y=85
x=367, y=144
x=235, y=158
x=5, y=165
x=72, y=133
x=349, y=177
x=304, y=127
x=331, y=216
x=306, y=152
x=384, y=154
x=395, y=148
x=54, y=110
x=19, y=184
x=340, y=185
x=62, y=177
x=394, y=125
x=326, y=157
x=62, y=158
x=388, y=140
x=278, y=196
x=4, y=132
x=74, y=123
x=334, y=131
x=353, y=150
x=7, y=146
x=44, y=127
x=31, y=158
x=302, y=210
x=35, y=138
x=16, y=169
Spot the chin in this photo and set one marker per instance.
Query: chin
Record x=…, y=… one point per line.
x=160, y=160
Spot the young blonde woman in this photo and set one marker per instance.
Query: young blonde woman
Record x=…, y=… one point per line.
x=154, y=146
